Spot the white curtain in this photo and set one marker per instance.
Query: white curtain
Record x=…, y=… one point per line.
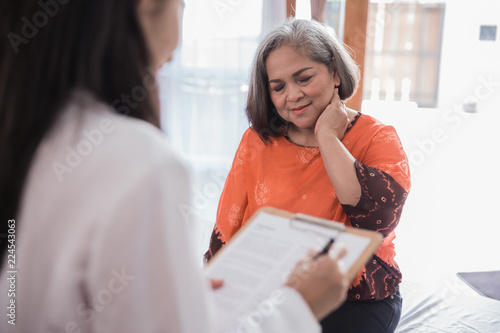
x=203, y=94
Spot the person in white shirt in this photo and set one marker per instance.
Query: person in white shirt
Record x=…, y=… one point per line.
x=91, y=235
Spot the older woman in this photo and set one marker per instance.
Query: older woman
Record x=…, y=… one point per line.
x=306, y=152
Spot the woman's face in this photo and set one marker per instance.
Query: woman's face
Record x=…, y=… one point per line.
x=160, y=22
x=300, y=88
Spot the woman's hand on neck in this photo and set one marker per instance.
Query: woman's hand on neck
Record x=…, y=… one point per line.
x=334, y=120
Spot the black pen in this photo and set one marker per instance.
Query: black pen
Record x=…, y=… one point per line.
x=325, y=250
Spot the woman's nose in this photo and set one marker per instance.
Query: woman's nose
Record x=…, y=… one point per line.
x=294, y=93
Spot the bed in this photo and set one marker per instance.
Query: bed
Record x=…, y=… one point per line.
x=449, y=306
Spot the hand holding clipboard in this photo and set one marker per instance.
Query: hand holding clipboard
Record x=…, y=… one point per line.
x=260, y=257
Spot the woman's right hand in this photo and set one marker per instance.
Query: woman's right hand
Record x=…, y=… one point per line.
x=334, y=119
x=322, y=282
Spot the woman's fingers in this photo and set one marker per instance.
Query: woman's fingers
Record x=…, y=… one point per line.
x=335, y=95
x=216, y=283
x=337, y=252
x=334, y=117
x=337, y=104
x=312, y=252
x=322, y=282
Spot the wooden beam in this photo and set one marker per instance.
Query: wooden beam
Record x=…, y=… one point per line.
x=290, y=8
x=356, y=17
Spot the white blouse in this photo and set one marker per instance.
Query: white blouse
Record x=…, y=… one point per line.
x=101, y=244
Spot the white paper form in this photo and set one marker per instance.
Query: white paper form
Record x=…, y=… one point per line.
x=260, y=258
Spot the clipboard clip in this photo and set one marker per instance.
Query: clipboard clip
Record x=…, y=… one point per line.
x=319, y=221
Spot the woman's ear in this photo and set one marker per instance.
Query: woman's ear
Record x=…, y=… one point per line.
x=336, y=80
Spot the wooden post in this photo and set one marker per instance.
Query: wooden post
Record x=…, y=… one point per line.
x=290, y=8
x=356, y=17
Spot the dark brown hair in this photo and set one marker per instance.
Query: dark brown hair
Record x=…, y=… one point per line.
x=49, y=49
x=308, y=38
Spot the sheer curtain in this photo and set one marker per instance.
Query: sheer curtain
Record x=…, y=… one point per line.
x=203, y=94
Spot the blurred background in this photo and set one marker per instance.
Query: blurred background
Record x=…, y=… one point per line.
x=430, y=68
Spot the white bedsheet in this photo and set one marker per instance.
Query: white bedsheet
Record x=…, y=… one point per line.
x=451, y=306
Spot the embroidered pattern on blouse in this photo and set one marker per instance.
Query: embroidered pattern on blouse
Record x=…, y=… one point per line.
x=241, y=155
x=216, y=244
x=391, y=137
x=379, y=209
x=308, y=155
x=262, y=194
x=235, y=216
x=385, y=136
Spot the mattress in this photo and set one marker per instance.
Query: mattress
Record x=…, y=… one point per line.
x=449, y=306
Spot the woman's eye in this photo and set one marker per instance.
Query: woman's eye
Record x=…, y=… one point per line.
x=304, y=80
x=278, y=89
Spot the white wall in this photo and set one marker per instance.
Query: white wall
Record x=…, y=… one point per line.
x=467, y=62
x=448, y=223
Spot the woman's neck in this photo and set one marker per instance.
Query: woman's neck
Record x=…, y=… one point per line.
x=302, y=136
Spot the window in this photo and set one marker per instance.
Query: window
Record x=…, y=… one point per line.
x=203, y=95
x=204, y=91
x=403, y=51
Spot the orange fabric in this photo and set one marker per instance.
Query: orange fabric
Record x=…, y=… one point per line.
x=290, y=177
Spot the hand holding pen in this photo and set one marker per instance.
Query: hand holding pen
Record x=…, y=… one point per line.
x=321, y=279
x=325, y=249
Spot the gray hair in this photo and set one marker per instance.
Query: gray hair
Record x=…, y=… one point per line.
x=308, y=38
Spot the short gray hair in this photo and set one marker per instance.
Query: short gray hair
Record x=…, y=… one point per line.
x=308, y=38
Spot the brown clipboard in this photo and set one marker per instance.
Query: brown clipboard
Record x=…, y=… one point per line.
x=373, y=237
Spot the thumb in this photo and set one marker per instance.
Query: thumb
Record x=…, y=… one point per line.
x=337, y=252
x=216, y=283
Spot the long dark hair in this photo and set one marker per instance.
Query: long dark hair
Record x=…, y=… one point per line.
x=48, y=49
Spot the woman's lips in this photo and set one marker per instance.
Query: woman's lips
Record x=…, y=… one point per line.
x=300, y=110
